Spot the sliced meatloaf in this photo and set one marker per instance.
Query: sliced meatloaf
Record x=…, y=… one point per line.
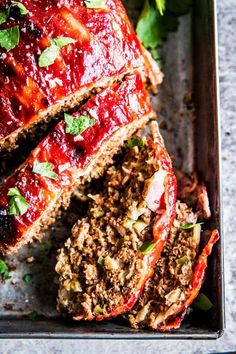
x=83, y=48
x=65, y=159
x=179, y=273
x=112, y=251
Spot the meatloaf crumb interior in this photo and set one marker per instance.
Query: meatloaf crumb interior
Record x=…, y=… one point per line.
x=173, y=273
x=102, y=262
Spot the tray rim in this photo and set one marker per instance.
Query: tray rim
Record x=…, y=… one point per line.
x=147, y=335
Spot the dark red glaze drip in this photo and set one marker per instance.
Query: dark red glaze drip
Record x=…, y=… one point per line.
x=112, y=108
x=106, y=47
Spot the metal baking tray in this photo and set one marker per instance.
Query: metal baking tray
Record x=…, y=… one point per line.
x=192, y=135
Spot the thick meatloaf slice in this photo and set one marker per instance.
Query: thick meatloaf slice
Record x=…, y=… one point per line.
x=179, y=273
x=117, y=113
x=104, y=49
x=112, y=252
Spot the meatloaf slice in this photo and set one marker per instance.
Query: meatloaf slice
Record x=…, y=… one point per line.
x=116, y=113
x=112, y=252
x=100, y=48
x=179, y=273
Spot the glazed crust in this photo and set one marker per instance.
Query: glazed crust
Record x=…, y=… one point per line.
x=118, y=112
x=105, y=50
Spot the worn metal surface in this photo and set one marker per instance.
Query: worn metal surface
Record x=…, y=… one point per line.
x=192, y=143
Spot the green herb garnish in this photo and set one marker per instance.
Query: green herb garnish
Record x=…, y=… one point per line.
x=4, y=15
x=32, y=316
x=181, y=261
x=98, y=309
x=95, y=4
x=161, y=4
x=9, y=38
x=27, y=277
x=147, y=247
x=77, y=125
x=50, y=54
x=189, y=226
x=100, y=260
x=157, y=19
x=18, y=205
x=44, y=169
x=46, y=247
x=202, y=303
x=135, y=141
x=4, y=270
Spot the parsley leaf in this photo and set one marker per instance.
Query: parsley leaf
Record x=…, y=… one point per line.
x=9, y=38
x=32, y=316
x=50, y=54
x=77, y=125
x=5, y=14
x=3, y=17
x=46, y=247
x=161, y=4
x=95, y=4
x=62, y=41
x=4, y=271
x=27, y=277
x=147, y=247
x=135, y=141
x=155, y=22
x=18, y=204
x=202, y=303
x=21, y=7
x=44, y=169
x=189, y=226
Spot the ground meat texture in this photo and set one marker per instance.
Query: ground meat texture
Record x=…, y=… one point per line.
x=168, y=288
x=104, y=257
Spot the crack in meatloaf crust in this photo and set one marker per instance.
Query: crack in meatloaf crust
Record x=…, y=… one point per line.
x=180, y=271
x=118, y=112
x=104, y=50
x=111, y=252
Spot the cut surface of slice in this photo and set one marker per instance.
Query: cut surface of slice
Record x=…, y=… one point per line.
x=179, y=273
x=112, y=252
x=63, y=160
x=84, y=49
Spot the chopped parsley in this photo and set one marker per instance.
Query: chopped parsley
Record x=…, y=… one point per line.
x=157, y=19
x=32, y=316
x=4, y=15
x=50, y=54
x=202, y=303
x=18, y=205
x=183, y=260
x=9, y=38
x=189, y=226
x=46, y=247
x=27, y=278
x=44, y=169
x=135, y=141
x=4, y=270
x=95, y=4
x=100, y=260
x=77, y=125
x=147, y=247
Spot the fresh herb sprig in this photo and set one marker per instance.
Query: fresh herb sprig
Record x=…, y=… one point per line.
x=4, y=270
x=17, y=205
x=157, y=18
x=77, y=125
x=50, y=54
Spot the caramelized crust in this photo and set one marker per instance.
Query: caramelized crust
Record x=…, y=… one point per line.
x=106, y=49
x=118, y=112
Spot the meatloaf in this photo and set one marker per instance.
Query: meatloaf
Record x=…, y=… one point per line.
x=31, y=197
x=180, y=271
x=112, y=251
x=57, y=54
